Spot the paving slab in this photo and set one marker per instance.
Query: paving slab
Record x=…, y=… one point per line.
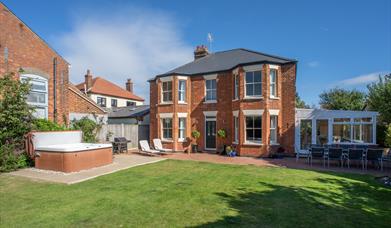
x=120, y=162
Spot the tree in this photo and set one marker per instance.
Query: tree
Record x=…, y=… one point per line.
x=300, y=103
x=379, y=98
x=342, y=99
x=15, y=121
x=15, y=114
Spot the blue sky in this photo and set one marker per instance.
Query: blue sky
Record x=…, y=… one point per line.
x=337, y=43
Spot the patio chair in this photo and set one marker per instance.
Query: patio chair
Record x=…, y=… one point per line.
x=146, y=149
x=355, y=155
x=302, y=154
x=157, y=143
x=317, y=153
x=374, y=155
x=336, y=155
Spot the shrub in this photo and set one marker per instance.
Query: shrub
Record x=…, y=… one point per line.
x=222, y=133
x=89, y=128
x=195, y=134
x=47, y=125
x=10, y=161
x=387, y=140
x=15, y=121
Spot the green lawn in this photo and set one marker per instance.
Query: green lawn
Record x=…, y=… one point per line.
x=186, y=193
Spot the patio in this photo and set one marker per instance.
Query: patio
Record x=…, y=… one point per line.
x=120, y=162
x=288, y=162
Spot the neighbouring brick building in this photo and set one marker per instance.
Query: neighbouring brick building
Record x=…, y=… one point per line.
x=25, y=54
x=251, y=95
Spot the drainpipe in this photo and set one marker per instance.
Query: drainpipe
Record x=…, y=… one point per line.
x=54, y=89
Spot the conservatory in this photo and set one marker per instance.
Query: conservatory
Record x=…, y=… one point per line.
x=326, y=127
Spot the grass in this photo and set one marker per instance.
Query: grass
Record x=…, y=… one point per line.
x=187, y=193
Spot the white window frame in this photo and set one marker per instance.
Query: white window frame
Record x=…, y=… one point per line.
x=181, y=129
x=35, y=78
x=167, y=91
x=182, y=91
x=253, y=142
x=353, y=123
x=163, y=128
x=236, y=87
x=210, y=90
x=275, y=129
x=273, y=83
x=253, y=84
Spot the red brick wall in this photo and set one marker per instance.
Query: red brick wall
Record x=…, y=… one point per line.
x=285, y=103
x=28, y=52
x=78, y=104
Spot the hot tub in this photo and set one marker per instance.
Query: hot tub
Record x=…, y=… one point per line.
x=63, y=151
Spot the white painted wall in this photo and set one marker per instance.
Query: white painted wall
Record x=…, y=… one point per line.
x=120, y=101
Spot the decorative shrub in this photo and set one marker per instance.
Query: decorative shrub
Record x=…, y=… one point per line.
x=89, y=128
x=195, y=134
x=222, y=133
x=10, y=161
x=47, y=125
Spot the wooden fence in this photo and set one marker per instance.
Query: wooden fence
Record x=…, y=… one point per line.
x=131, y=132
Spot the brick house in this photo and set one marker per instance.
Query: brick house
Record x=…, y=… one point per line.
x=107, y=94
x=251, y=95
x=28, y=56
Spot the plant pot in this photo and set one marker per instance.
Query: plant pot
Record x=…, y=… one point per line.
x=194, y=148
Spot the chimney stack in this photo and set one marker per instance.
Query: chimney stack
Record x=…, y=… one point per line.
x=129, y=85
x=88, y=80
x=200, y=51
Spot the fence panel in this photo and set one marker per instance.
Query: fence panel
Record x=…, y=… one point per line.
x=131, y=132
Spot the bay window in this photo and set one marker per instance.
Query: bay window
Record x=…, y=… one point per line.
x=182, y=129
x=236, y=87
x=254, y=129
x=167, y=91
x=273, y=83
x=273, y=129
x=182, y=91
x=167, y=128
x=254, y=84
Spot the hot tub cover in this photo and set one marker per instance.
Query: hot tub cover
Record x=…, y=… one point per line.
x=74, y=147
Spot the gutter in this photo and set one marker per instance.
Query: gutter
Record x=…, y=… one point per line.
x=54, y=89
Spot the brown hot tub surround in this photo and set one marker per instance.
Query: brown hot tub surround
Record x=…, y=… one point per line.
x=63, y=151
x=73, y=161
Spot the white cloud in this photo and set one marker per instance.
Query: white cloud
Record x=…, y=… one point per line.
x=360, y=80
x=130, y=43
x=313, y=64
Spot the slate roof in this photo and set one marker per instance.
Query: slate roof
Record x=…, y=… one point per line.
x=128, y=112
x=104, y=87
x=226, y=60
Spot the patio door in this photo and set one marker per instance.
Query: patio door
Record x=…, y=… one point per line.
x=305, y=133
x=210, y=133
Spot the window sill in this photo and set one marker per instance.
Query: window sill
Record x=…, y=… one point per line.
x=235, y=99
x=181, y=140
x=210, y=102
x=274, y=98
x=253, y=98
x=235, y=143
x=167, y=140
x=247, y=143
x=166, y=103
x=182, y=102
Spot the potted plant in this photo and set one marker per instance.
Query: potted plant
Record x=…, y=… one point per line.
x=195, y=134
x=222, y=134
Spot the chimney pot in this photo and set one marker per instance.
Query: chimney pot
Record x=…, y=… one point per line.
x=200, y=51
